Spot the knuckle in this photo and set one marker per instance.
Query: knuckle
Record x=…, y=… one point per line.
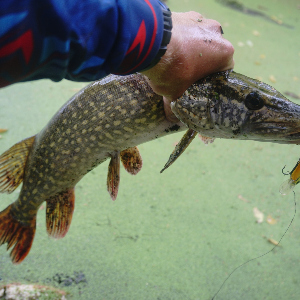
x=229, y=48
x=216, y=24
x=194, y=14
x=213, y=23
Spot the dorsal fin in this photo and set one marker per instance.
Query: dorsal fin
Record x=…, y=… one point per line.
x=180, y=147
x=12, y=165
x=59, y=213
x=132, y=160
x=113, y=176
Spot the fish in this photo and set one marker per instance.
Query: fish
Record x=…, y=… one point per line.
x=288, y=185
x=230, y=105
x=108, y=119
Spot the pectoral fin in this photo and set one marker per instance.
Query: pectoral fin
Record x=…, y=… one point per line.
x=132, y=160
x=12, y=165
x=180, y=147
x=206, y=139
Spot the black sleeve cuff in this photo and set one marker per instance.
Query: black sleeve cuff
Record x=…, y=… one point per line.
x=166, y=35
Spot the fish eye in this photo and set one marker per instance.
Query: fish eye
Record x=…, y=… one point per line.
x=253, y=101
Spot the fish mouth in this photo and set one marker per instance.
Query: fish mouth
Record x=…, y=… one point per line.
x=278, y=132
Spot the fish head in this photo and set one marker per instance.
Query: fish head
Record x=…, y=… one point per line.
x=233, y=106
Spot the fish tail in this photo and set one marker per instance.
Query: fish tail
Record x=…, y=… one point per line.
x=17, y=234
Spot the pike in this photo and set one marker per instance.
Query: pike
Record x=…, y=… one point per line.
x=108, y=119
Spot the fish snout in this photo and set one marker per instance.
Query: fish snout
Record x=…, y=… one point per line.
x=280, y=123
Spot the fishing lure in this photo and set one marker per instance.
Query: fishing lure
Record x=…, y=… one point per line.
x=294, y=179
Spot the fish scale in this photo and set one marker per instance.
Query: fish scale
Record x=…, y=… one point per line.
x=82, y=134
x=107, y=120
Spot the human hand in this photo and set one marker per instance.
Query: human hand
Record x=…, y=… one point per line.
x=196, y=50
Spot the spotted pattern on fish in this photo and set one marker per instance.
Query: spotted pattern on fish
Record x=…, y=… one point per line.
x=107, y=120
x=98, y=123
x=243, y=108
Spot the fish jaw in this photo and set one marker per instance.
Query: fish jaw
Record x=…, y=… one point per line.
x=233, y=106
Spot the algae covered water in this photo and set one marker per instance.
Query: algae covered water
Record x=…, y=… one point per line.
x=176, y=235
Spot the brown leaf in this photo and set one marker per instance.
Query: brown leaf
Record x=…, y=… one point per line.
x=2, y=130
x=272, y=241
x=271, y=220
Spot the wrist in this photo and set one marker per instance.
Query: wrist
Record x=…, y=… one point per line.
x=167, y=32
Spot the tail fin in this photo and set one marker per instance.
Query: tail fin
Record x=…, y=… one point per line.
x=14, y=233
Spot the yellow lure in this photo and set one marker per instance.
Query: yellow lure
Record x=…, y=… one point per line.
x=294, y=179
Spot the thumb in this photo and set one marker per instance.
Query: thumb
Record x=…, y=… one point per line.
x=168, y=111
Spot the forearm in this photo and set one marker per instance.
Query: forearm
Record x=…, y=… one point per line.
x=77, y=40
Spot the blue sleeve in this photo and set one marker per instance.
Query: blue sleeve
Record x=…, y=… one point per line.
x=80, y=40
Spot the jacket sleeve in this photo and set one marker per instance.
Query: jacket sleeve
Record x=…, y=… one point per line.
x=77, y=40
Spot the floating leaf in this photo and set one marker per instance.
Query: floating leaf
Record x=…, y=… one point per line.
x=258, y=215
x=249, y=43
x=2, y=130
x=275, y=19
x=271, y=220
x=272, y=241
x=243, y=199
x=272, y=78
